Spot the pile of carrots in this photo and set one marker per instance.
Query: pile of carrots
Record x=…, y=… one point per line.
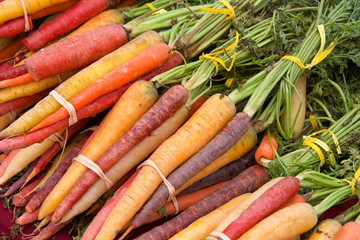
x=84, y=121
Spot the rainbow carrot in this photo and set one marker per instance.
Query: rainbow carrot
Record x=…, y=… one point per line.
x=13, y=72
x=23, y=197
x=14, y=27
x=27, y=218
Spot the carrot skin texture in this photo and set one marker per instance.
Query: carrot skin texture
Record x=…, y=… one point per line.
x=22, y=79
x=350, y=231
x=265, y=150
x=41, y=194
x=24, y=196
x=10, y=63
x=267, y=203
x=326, y=230
x=27, y=218
x=13, y=72
x=71, y=54
x=220, y=144
x=247, y=181
x=49, y=231
x=11, y=49
x=229, y=171
x=64, y=23
x=165, y=107
x=60, y=7
x=14, y=27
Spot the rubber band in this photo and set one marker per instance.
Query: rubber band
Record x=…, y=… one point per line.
x=68, y=106
x=228, y=10
x=95, y=168
x=56, y=137
x=27, y=24
x=12, y=116
x=353, y=182
x=149, y=5
x=320, y=55
x=169, y=186
x=220, y=235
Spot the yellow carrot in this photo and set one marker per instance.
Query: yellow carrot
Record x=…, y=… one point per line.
x=81, y=80
x=326, y=230
x=202, y=227
x=11, y=9
x=284, y=224
x=187, y=141
x=133, y=103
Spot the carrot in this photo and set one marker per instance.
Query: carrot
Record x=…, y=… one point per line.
x=25, y=78
x=49, y=231
x=131, y=159
x=10, y=63
x=284, y=224
x=3, y=156
x=56, y=8
x=203, y=226
x=295, y=199
x=247, y=181
x=28, y=89
x=41, y=194
x=10, y=50
x=196, y=105
x=11, y=9
x=14, y=27
x=19, y=102
x=55, y=148
x=81, y=80
x=149, y=59
x=185, y=201
x=220, y=144
x=65, y=22
x=265, y=151
x=350, y=231
x=132, y=104
x=225, y=173
x=188, y=140
x=27, y=218
x=14, y=72
x=4, y=42
x=7, y=161
x=97, y=222
x=243, y=146
x=75, y=52
x=24, y=196
x=164, y=108
x=267, y=203
x=326, y=230
x=20, y=182
x=24, y=157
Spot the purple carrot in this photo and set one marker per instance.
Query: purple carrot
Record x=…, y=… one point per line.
x=164, y=108
x=49, y=231
x=247, y=181
x=13, y=72
x=10, y=63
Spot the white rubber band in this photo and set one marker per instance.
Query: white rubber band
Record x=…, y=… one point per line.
x=27, y=25
x=68, y=106
x=12, y=116
x=56, y=137
x=95, y=168
x=170, y=187
x=220, y=235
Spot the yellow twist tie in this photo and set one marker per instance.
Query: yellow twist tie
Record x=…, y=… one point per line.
x=228, y=11
x=313, y=122
x=313, y=142
x=352, y=183
x=149, y=5
x=217, y=60
x=229, y=82
x=320, y=55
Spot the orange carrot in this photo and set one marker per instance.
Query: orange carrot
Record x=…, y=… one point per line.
x=146, y=61
x=350, y=231
x=188, y=140
x=3, y=156
x=296, y=199
x=16, y=81
x=265, y=150
x=7, y=161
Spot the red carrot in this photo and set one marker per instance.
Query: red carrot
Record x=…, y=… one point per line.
x=20, y=182
x=10, y=51
x=42, y=193
x=49, y=231
x=164, y=108
x=7, y=161
x=13, y=72
x=27, y=218
x=24, y=196
x=14, y=27
x=65, y=22
x=52, y=151
x=221, y=143
x=97, y=222
x=16, y=103
x=227, y=172
x=247, y=181
x=267, y=203
x=76, y=52
x=146, y=61
x=10, y=63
